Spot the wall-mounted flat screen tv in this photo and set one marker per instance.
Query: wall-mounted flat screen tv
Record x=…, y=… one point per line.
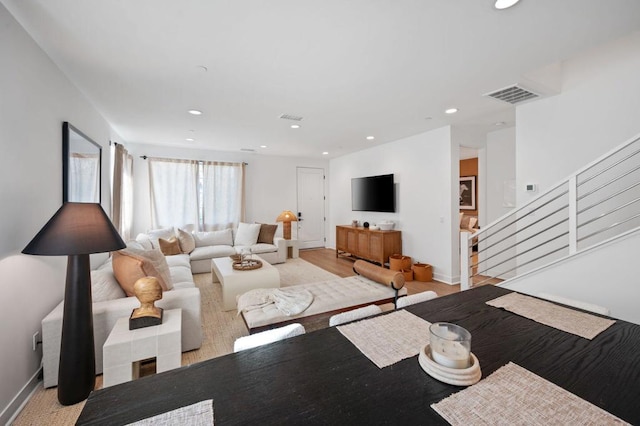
x=373, y=194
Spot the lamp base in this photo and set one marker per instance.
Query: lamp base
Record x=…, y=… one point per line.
x=286, y=230
x=77, y=371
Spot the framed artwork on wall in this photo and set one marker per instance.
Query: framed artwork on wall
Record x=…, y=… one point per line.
x=467, y=193
x=81, y=167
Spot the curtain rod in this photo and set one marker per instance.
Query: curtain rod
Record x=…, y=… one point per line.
x=144, y=157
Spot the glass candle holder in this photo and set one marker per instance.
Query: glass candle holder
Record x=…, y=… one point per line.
x=450, y=345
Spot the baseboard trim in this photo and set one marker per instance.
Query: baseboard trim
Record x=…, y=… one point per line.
x=16, y=405
x=446, y=279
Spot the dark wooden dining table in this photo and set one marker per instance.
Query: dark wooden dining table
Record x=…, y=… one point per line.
x=322, y=378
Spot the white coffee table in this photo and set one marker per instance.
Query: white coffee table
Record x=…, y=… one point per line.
x=124, y=349
x=234, y=283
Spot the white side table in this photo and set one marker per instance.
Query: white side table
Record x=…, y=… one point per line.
x=293, y=250
x=124, y=349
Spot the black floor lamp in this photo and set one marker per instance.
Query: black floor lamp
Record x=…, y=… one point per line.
x=76, y=230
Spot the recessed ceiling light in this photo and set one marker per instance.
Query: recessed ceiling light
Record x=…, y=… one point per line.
x=295, y=126
x=505, y=4
x=500, y=123
x=263, y=146
x=195, y=112
x=428, y=118
x=451, y=110
x=325, y=153
x=189, y=139
x=370, y=138
x=202, y=68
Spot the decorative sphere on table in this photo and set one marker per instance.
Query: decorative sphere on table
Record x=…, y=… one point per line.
x=366, y=224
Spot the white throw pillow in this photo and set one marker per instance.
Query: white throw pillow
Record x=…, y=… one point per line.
x=187, y=242
x=144, y=241
x=135, y=245
x=247, y=234
x=164, y=233
x=104, y=286
x=213, y=238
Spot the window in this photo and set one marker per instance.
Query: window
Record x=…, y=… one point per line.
x=200, y=195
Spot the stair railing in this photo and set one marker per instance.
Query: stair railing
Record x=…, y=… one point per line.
x=591, y=207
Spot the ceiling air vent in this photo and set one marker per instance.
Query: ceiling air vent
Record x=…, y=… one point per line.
x=513, y=94
x=290, y=117
x=247, y=149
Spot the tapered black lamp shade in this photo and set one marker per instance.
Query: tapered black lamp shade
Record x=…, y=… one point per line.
x=76, y=230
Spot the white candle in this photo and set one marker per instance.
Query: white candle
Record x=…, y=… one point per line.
x=450, y=354
x=450, y=345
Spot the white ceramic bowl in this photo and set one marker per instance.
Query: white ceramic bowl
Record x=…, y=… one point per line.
x=386, y=226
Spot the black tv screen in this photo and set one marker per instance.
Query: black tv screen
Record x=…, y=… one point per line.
x=373, y=194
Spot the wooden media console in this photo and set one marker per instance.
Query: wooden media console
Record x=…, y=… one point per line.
x=375, y=246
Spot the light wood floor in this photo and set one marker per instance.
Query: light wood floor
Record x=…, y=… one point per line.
x=343, y=267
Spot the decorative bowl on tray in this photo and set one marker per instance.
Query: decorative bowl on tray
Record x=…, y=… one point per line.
x=246, y=265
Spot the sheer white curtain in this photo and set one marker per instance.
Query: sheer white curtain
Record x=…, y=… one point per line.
x=174, y=192
x=84, y=182
x=222, y=195
x=122, y=192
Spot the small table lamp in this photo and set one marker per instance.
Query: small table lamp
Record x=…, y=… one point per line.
x=76, y=230
x=286, y=217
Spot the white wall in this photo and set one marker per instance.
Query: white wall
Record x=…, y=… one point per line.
x=500, y=167
x=270, y=183
x=425, y=169
x=617, y=281
x=596, y=111
x=36, y=98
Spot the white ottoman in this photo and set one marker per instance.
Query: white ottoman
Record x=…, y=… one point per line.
x=234, y=283
x=124, y=349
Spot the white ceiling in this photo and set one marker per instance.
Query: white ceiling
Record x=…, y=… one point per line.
x=350, y=68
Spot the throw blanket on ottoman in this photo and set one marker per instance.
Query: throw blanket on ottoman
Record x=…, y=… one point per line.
x=375, y=285
x=288, y=301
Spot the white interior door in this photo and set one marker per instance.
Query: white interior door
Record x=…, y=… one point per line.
x=311, y=217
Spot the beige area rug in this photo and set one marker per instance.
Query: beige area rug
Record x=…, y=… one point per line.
x=220, y=329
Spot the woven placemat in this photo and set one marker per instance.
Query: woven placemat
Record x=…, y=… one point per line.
x=547, y=313
x=513, y=395
x=390, y=338
x=198, y=414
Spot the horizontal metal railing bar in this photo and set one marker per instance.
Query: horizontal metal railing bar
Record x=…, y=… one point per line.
x=522, y=241
x=522, y=229
x=597, y=203
x=595, y=246
x=526, y=215
x=524, y=264
x=518, y=210
x=613, y=225
x=622, y=160
x=604, y=185
x=527, y=251
x=608, y=213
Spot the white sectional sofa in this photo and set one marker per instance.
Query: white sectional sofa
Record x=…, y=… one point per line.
x=214, y=244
